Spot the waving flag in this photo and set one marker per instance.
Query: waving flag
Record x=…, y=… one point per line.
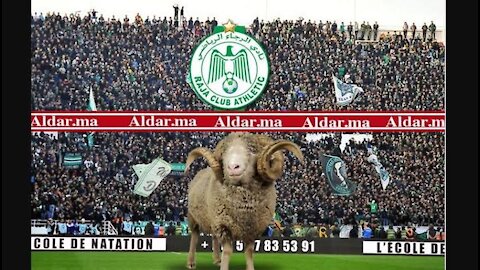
x=335, y=170
x=382, y=172
x=150, y=175
x=344, y=92
x=91, y=107
x=277, y=220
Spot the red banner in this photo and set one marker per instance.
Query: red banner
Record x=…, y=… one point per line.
x=168, y=121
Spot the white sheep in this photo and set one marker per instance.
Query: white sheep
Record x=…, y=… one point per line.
x=235, y=197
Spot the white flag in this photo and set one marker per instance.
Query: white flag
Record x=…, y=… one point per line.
x=150, y=175
x=384, y=176
x=344, y=92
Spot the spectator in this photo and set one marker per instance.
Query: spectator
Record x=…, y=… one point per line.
x=363, y=30
x=70, y=228
x=117, y=223
x=405, y=30
x=375, y=30
x=431, y=233
x=94, y=229
x=353, y=232
x=149, y=229
x=161, y=229
x=342, y=29
x=368, y=28
x=277, y=233
x=357, y=30
x=413, y=28
x=410, y=233
x=382, y=233
x=127, y=226
x=334, y=28
x=178, y=228
x=424, y=31
x=171, y=229
x=334, y=230
x=138, y=20
x=287, y=231
x=367, y=231
x=373, y=207
x=440, y=234
x=175, y=15
x=50, y=226
x=404, y=233
x=398, y=234
x=214, y=23
x=384, y=217
x=391, y=233
x=62, y=228
x=268, y=231
x=432, y=29
x=82, y=227
x=350, y=31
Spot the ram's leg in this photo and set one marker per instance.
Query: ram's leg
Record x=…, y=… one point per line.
x=249, y=255
x=227, y=252
x=193, y=244
x=216, y=251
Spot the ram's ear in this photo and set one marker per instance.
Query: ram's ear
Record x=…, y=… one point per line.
x=218, y=151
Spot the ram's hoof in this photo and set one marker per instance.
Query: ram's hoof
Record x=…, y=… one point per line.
x=217, y=262
x=191, y=266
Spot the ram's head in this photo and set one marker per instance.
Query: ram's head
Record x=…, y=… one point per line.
x=242, y=157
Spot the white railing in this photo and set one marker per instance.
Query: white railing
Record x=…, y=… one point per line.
x=108, y=228
x=39, y=223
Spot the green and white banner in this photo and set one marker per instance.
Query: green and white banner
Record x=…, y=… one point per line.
x=150, y=175
x=72, y=160
x=180, y=167
x=177, y=169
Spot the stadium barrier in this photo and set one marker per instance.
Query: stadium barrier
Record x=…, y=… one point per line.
x=262, y=245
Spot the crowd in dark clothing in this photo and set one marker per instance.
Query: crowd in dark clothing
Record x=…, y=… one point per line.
x=102, y=188
x=144, y=65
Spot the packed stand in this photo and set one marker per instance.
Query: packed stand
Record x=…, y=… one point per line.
x=143, y=64
x=101, y=189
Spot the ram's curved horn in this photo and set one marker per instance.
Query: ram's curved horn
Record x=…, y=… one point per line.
x=209, y=157
x=270, y=161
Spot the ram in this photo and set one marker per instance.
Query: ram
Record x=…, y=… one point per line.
x=235, y=197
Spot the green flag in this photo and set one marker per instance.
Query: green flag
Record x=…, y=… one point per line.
x=91, y=107
x=335, y=171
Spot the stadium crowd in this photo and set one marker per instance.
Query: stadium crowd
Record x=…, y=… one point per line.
x=101, y=189
x=143, y=65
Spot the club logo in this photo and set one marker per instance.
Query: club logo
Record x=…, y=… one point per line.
x=229, y=69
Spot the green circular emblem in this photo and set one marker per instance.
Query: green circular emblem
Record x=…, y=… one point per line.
x=229, y=70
